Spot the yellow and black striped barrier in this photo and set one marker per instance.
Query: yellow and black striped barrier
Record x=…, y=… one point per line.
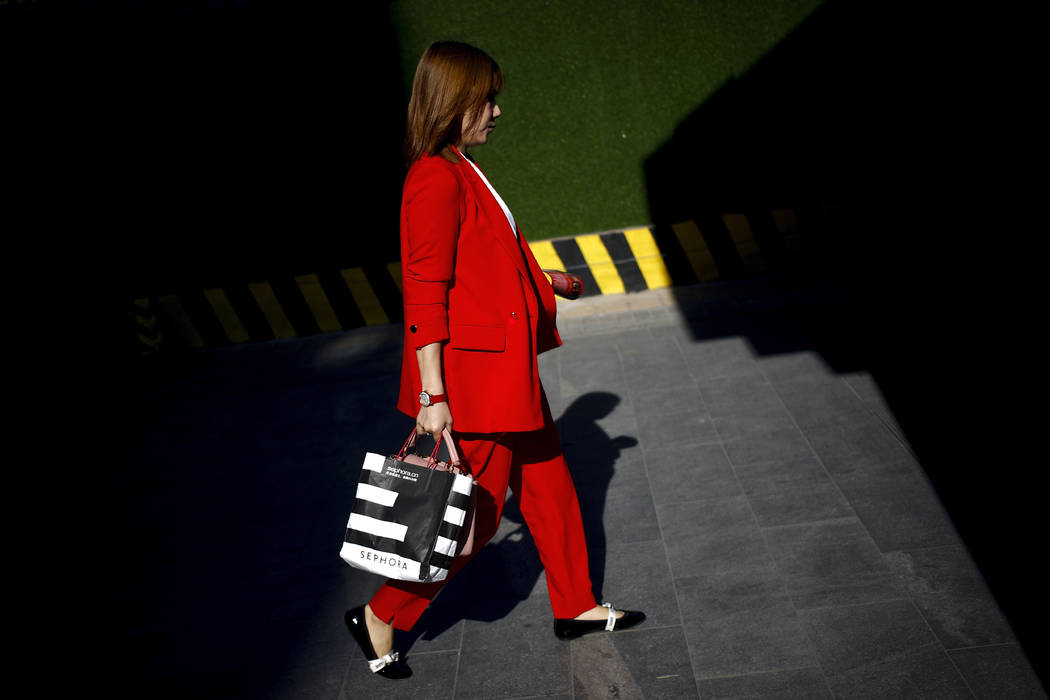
x=615, y=262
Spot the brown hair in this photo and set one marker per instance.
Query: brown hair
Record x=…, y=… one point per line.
x=452, y=79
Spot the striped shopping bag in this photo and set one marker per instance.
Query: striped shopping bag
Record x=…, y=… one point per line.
x=411, y=514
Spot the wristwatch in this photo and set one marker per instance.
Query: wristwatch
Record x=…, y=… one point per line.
x=427, y=399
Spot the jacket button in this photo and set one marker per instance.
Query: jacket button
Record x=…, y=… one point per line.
x=513, y=314
x=413, y=328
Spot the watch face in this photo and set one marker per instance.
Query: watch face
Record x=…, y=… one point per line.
x=424, y=398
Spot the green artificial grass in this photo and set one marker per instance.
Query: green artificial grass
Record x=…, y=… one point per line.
x=593, y=89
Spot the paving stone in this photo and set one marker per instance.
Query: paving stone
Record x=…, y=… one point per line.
x=741, y=623
x=881, y=410
x=791, y=366
x=516, y=655
x=717, y=535
x=597, y=405
x=863, y=384
x=588, y=366
x=951, y=594
x=637, y=577
x=822, y=402
x=719, y=356
x=680, y=473
x=663, y=370
x=828, y=563
x=739, y=393
x=898, y=506
x=761, y=437
x=690, y=427
x=723, y=510
x=637, y=663
x=785, y=492
x=612, y=490
x=648, y=364
x=680, y=398
x=881, y=650
x=570, y=391
x=795, y=684
x=433, y=676
x=440, y=628
x=627, y=514
x=605, y=447
x=676, y=330
x=857, y=446
x=999, y=671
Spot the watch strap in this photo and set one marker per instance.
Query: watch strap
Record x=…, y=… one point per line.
x=432, y=398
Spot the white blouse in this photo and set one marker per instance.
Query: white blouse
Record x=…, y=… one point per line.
x=502, y=204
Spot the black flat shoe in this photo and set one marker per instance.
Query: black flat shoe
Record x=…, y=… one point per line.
x=570, y=629
x=388, y=666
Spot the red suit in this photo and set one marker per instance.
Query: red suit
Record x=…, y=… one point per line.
x=470, y=283
x=468, y=280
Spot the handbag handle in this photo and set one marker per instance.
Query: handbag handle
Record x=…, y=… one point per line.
x=453, y=455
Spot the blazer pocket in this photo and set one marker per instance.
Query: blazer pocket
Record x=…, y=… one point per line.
x=489, y=338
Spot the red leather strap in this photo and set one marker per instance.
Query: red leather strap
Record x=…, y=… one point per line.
x=453, y=454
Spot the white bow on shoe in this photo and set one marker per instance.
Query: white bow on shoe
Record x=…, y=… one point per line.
x=379, y=664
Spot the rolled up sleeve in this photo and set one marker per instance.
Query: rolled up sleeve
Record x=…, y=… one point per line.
x=430, y=231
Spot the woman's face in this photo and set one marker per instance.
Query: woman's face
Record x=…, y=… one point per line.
x=477, y=127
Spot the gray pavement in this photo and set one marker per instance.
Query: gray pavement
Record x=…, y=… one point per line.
x=750, y=492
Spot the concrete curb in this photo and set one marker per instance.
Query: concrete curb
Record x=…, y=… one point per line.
x=719, y=247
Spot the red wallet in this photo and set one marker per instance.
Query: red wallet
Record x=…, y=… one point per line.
x=565, y=284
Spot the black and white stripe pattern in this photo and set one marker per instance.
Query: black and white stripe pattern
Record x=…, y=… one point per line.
x=391, y=530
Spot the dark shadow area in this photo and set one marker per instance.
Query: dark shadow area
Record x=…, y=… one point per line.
x=505, y=572
x=172, y=147
x=874, y=124
x=169, y=146
x=218, y=512
x=592, y=455
x=224, y=143
x=215, y=506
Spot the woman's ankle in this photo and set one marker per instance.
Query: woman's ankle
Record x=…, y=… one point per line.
x=380, y=633
x=374, y=619
x=598, y=612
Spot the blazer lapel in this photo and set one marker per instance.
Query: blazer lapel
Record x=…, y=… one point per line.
x=506, y=238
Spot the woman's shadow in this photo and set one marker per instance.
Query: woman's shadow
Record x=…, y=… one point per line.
x=506, y=571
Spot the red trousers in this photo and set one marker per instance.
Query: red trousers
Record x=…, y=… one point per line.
x=533, y=466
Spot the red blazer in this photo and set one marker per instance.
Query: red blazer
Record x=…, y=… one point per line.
x=468, y=282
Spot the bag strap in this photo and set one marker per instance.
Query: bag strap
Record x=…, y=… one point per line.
x=453, y=454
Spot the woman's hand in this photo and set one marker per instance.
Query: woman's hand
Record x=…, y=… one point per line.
x=433, y=419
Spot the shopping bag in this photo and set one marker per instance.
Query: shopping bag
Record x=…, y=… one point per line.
x=411, y=514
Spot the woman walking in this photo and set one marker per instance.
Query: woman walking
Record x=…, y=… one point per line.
x=478, y=310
